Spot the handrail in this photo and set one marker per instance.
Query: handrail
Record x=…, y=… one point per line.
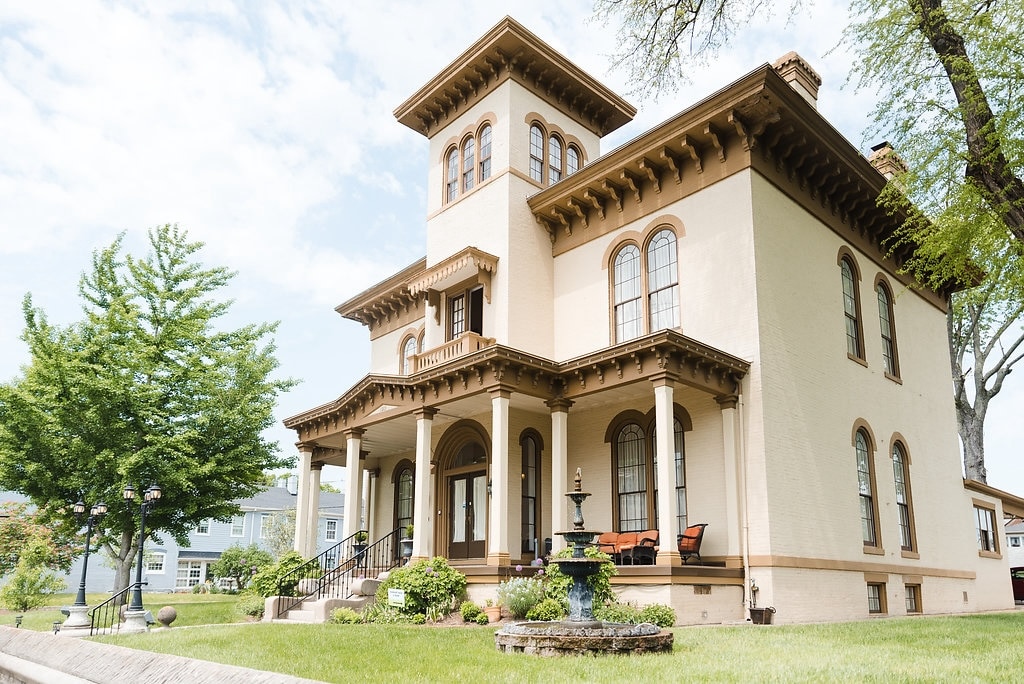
x=331, y=572
x=103, y=617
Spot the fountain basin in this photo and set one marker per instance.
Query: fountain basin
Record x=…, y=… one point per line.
x=575, y=638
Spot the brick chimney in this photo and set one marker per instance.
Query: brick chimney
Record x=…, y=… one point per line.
x=886, y=161
x=800, y=76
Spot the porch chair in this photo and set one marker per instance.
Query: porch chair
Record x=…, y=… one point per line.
x=689, y=541
x=646, y=549
x=607, y=542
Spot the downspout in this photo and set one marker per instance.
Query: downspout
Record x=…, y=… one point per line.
x=744, y=515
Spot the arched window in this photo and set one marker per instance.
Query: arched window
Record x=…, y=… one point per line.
x=530, y=494
x=628, y=316
x=888, y=329
x=554, y=159
x=404, y=494
x=631, y=467
x=536, y=153
x=677, y=437
x=663, y=281
x=468, y=164
x=901, y=477
x=866, y=488
x=409, y=350
x=572, y=160
x=452, y=184
x=485, y=153
x=851, y=308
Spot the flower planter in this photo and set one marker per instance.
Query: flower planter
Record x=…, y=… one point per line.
x=406, y=547
x=762, y=616
x=493, y=613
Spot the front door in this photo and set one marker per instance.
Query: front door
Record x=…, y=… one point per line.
x=467, y=531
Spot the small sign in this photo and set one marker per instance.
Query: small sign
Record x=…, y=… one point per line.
x=396, y=597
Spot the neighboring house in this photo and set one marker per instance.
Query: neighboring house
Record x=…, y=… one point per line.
x=1015, y=543
x=719, y=292
x=169, y=567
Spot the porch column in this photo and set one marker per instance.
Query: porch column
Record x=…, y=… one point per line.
x=730, y=465
x=423, y=510
x=353, y=478
x=559, y=471
x=301, y=499
x=664, y=445
x=313, y=531
x=497, y=533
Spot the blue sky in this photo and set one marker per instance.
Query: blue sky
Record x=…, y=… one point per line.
x=266, y=130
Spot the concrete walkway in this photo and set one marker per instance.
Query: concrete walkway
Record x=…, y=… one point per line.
x=28, y=657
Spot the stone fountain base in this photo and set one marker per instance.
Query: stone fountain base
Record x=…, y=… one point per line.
x=569, y=638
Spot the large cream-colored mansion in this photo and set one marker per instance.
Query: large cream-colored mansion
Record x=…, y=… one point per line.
x=719, y=292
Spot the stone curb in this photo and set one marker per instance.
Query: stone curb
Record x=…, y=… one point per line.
x=29, y=657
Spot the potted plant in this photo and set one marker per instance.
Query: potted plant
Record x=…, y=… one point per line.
x=493, y=610
x=359, y=541
x=406, y=542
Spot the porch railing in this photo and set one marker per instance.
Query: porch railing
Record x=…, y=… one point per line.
x=465, y=343
x=330, y=574
x=106, y=617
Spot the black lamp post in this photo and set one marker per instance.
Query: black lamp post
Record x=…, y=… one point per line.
x=95, y=513
x=150, y=497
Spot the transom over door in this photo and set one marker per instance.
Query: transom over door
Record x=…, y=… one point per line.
x=467, y=530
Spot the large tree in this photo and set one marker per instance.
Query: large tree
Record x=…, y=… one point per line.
x=948, y=76
x=143, y=390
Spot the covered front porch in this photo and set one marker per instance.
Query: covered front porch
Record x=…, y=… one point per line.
x=477, y=454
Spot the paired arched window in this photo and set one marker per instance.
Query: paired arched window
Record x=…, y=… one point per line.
x=851, y=307
x=650, y=284
x=864, y=448
x=901, y=478
x=530, y=447
x=887, y=326
x=468, y=164
x=404, y=480
x=557, y=157
x=411, y=346
x=636, y=477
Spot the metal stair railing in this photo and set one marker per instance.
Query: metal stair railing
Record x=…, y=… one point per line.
x=330, y=574
x=104, y=617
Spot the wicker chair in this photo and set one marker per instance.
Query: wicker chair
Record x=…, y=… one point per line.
x=689, y=541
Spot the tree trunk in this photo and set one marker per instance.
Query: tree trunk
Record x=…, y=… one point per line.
x=972, y=434
x=123, y=558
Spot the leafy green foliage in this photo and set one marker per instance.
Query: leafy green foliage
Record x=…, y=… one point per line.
x=618, y=612
x=32, y=582
x=558, y=583
x=19, y=525
x=279, y=532
x=481, y=619
x=658, y=614
x=549, y=609
x=345, y=616
x=251, y=605
x=241, y=563
x=521, y=594
x=431, y=587
x=265, y=581
x=144, y=389
x=469, y=611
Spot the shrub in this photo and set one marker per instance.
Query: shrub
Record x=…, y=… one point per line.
x=470, y=611
x=264, y=583
x=548, y=609
x=618, y=612
x=241, y=563
x=658, y=614
x=481, y=619
x=521, y=594
x=250, y=605
x=32, y=582
x=558, y=582
x=345, y=616
x=431, y=587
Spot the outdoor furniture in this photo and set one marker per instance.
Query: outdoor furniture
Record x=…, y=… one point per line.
x=689, y=541
x=646, y=550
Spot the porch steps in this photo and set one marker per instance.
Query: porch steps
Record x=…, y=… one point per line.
x=313, y=611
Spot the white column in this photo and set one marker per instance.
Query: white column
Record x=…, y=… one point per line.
x=730, y=465
x=301, y=498
x=313, y=532
x=559, y=471
x=423, y=510
x=497, y=533
x=668, y=551
x=353, y=478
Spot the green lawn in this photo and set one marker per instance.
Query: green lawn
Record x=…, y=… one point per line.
x=939, y=649
x=193, y=609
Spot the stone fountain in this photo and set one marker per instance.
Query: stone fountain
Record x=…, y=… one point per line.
x=581, y=633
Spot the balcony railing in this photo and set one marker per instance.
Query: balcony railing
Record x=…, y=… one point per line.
x=466, y=343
